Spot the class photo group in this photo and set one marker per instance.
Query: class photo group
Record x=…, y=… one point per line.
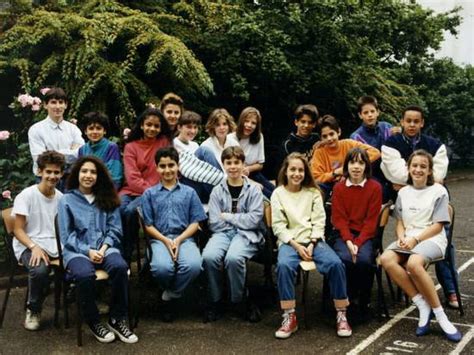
x=92, y=200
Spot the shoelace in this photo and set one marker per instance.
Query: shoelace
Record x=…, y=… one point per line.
x=341, y=317
x=101, y=330
x=286, y=321
x=124, y=329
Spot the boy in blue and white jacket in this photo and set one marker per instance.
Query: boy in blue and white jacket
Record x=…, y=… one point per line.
x=235, y=219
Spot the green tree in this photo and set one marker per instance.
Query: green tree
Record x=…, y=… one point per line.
x=106, y=55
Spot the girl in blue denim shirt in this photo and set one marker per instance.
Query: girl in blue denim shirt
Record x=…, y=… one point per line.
x=91, y=233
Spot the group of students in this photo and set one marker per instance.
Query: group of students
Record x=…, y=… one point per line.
x=169, y=177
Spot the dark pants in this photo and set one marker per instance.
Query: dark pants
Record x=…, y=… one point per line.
x=38, y=282
x=130, y=224
x=360, y=275
x=83, y=272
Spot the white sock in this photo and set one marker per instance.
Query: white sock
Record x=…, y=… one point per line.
x=443, y=320
x=424, y=309
x=288, y=311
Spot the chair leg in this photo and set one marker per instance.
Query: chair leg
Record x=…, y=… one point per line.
x=79, y=320
x=7, y=296
x=139, y=262
x=57, y=296
x=390, y=287
x=303, y=298
x=381, y=304
x=325, y=294
x=65, y=288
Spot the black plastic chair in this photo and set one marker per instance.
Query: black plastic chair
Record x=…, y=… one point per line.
x=8, y=225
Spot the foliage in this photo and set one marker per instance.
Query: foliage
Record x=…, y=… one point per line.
x=275, y=55
x=107, y=56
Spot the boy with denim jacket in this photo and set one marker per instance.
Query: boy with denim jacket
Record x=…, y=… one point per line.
x=235, y=217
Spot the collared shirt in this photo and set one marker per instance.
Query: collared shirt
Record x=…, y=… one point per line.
x=171, y=211
x=361, y=184
x=49, y=135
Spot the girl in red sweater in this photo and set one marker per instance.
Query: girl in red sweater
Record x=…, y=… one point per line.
x=356, y=203
x=150, y=133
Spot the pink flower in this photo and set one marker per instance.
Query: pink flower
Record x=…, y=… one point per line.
x=73, y=121
x=126, y=133
x=36, y=101
x=4, y=135
x=44, y=91
x=35, y=107
x=7, y=194
x=24, y=100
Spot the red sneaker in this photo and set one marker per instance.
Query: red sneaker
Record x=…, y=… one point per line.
x=288, y=326
x=342, y=325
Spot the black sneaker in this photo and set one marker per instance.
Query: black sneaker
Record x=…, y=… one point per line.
x=120, y=328
x=212, y=312
x=102, y=333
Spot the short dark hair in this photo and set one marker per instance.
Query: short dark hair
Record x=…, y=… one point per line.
x=329, y=121
x=423, y=153
x=233, y=152
x=307, y=109
x=414, y=108
x=55, y=93
x=95, y=118
x=366, y=100
x=169, y=152
x=51, y=157
x=357, y=154
x=189, y=117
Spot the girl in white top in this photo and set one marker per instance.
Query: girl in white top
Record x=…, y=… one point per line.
x=219, y=124
x=249, y=135
x=421, y=211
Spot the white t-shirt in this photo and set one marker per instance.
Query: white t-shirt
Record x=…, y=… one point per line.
x=40, y=212
x=420, y=208
x=212, y=143
x=254, y=153
x=180, y=146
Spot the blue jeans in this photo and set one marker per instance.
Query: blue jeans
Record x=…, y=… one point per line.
x=130, y=225
x=327, y=263
x=360, y=275
x=208, y=156
x=232, y=251
x=268, y=187
x=38, y=282
x=171, y=275
x=83, y=272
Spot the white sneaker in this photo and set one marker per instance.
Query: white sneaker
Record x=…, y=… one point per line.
x=168, y=295
x=32, y=320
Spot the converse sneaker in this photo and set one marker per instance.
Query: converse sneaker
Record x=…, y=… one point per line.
x=169, y=295
x=120, y=328
x=453, y=301
x=342, y=325
x=288, y=326
x=102, y=333
x=32, y=320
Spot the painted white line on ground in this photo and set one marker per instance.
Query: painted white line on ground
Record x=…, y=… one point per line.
x=435, y=321
x=462, y=344
x=399, y=316
x=464, y=251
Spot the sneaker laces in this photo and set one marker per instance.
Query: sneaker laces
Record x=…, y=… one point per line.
x=124, y=330
x=100, y=330
x=341, y=317
x=286, y=321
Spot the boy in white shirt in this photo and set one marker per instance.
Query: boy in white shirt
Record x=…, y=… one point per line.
x=34, y=245
x=188, y=128
x=54, y=133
